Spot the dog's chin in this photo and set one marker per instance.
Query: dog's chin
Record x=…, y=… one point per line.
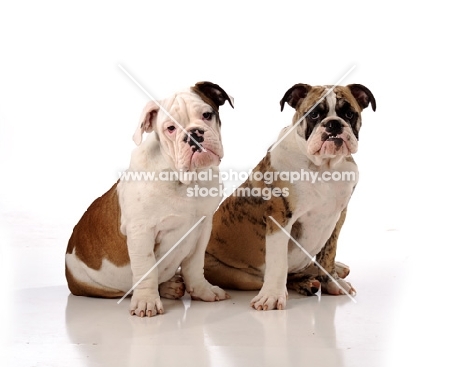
x=331, y=152
x=199, y=159
x=204, y=159
x=333, y=147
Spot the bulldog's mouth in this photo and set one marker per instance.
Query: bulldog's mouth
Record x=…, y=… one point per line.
x=328, y=144
x=332, y=138
x=200, y=151
x=203, y=158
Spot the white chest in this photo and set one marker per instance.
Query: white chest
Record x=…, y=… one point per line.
x=319, y=207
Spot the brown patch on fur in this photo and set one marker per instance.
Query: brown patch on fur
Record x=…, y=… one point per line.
x=78, y=288
x=244, y=250
x=344, y=92
x=296, y=230
x=213, y=95
x=315, y=93
x=97, y=235
x=227, y=277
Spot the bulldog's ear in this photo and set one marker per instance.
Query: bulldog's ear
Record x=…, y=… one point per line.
x=363, y=95
x=295, y=94
x=147, y=121
x=213, y=93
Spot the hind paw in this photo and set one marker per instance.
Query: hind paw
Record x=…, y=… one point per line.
x=306, y=285
x=174, y=288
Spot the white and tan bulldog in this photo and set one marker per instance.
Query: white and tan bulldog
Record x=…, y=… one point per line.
x=250, y=246
x=125, y=232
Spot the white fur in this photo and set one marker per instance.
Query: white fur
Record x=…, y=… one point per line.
x=331, y=101
x=325, y=200
x=274, y=293
x=161, y=211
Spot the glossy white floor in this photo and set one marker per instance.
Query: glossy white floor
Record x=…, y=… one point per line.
x=67, y=115
x=389, y=322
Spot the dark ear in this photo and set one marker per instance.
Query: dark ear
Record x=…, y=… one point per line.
x=213, y=93
x=295, y=94
x=363, y=95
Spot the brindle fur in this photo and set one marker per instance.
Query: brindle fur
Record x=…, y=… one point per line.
x=235, y=256
x=251, y=214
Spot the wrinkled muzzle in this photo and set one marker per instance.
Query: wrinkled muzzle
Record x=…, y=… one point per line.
x=332, y=137
x=198, y=148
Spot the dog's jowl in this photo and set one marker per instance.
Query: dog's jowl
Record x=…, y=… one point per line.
x=258, y=243
x=132, y=227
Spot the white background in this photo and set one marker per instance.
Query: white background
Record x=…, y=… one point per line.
x=68, y=112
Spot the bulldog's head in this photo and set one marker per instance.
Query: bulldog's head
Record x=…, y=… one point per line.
x=330, y=117
x=187, y=125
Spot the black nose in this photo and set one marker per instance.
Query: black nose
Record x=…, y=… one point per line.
x=195, y=139
x=333, y=127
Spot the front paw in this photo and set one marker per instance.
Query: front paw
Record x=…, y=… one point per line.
x=267, y=300
x=342, y=269
x=146, y=304
x=208, y=293
x=338, y=286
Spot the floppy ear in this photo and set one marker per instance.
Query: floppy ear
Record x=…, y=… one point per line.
x=295, y=94
x=363, y=95
x=147, y=121
x=212, y=94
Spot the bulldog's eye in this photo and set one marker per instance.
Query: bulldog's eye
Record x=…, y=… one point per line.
x=349, y=114
x=314, y=115
x=207, y=115
x=171, y=129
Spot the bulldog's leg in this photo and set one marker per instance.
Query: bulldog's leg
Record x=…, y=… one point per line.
x=274, y=294
x=309, y=281
x=331, y=281
x=192, y=270
x=145, y=300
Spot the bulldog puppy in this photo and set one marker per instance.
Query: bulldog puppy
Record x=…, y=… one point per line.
x=134, y=225
x=268, y=243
